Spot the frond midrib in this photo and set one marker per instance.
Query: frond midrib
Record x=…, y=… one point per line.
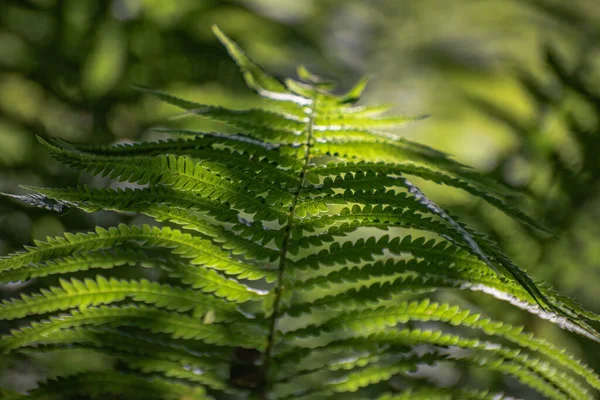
x=278, y=291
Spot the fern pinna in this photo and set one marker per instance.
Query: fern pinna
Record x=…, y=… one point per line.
x=297, y=259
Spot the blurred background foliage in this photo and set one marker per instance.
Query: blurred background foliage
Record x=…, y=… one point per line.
x=512, y=87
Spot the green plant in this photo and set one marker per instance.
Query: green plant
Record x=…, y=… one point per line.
x=261, y=294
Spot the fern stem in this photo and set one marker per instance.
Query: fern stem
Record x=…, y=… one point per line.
x=265, y=386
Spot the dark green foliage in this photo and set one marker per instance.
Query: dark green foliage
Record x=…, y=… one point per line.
x=276, y=279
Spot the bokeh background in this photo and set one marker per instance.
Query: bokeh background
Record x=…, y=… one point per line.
x=512, y=87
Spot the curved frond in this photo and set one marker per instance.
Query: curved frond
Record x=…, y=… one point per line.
x=172, y=323
x=94, y=292
x=301, y=249
x=352, y=171
x=166, y=204
x=182, y=173
x=99, y=385
x=199, y=251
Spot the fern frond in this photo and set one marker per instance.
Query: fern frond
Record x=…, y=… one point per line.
x=241, y=312
x=208, y=281
x=192, y=374
x=185, y=174
x=260, y=124
x=153, y=319
x=351, y=381
x=366, y=320
x=99, y=385
x=495, y=350
x=384, y=369
x=100, y=259
x=403, y=152
x=453, y=231
x=400, y=277
x=365, y=250
x=374, y=374
x=151, y=357
x=92, y=199
x=165, y=204
x=493, y=356
x=264, y=159
x=199, y=251
x=352, y=171
x=256, y=78
x=82, y=294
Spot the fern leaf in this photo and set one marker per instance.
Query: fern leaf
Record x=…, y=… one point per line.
x=363, y=151
x=370, y=320
x=81, y=294
x=208, y=281
x=263, y=213
x=219, y=149
x=174, y=324
x=353, y=381
x=99, y=385
x=190, y=373
x=165, y=204
x=121, y=199
x=350, y=171
x=375, y=374
x=200, y=252
x=154, y=358
x=400, y=277
x=256, y=78
x=181, y=173
x=532, y=371
x=79, y=262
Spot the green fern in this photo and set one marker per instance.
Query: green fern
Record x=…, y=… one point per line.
x=276, y=282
